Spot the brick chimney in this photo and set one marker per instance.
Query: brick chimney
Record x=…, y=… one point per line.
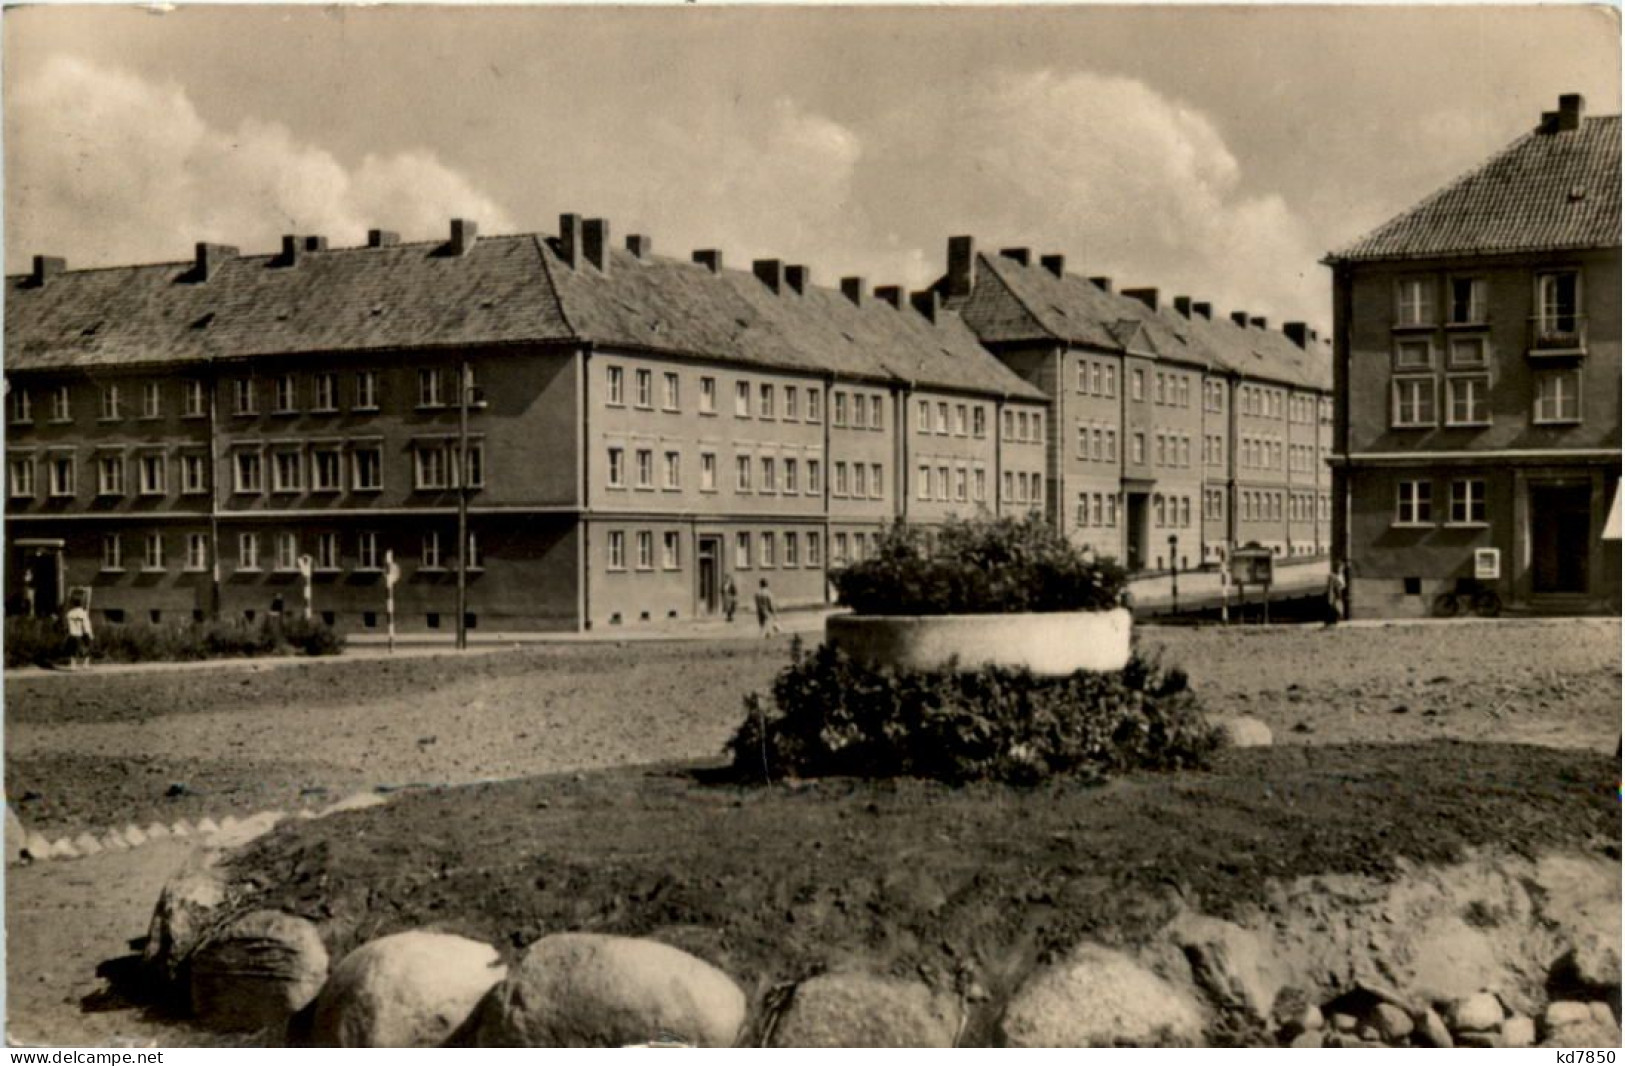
x=211, y=257
x=464, y=232
x=315, y=244
x=382, y=238
x=1145, y=296
x=1571, y=108
x=1104, y=284
x=1239, y=318
x=961, y=265
x=769, y=272
x=1203, y=308
x=595, y=243
x=1182, y=304
x=1300, y=333
x=1024, y=256
x=797, y=277
x=1260, y=322
x=709, y=258
x=891, y=294
x=570, y=239
x=928, y=302
x=292, y=248
x=47, y=267
x=639, y=245
x=853, y=289
x=1055, y=264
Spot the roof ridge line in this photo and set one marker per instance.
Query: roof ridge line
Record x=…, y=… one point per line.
x=1026, y=308
x=552, y=286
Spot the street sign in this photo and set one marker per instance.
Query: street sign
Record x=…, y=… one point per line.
x=1487, y=564
x=1252, y=566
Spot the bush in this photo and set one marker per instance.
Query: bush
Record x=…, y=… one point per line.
x=35, y=641
x=984, y=566
x=310, y=637
x=833, y=715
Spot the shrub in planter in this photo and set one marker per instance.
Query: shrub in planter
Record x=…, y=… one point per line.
x=983, y=566
x=310, y=637
x=832, y=715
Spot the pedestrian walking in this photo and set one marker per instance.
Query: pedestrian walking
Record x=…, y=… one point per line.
x=730, y=597
x=767, y=612
x=80, y=635
x=1336, y=590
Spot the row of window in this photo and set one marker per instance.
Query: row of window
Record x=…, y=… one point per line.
x=1461, y=353
x=960, y=420
x=1023, y=427
x=762, y=550
x=778, y=474
x=1467, y=399
x=1414, y=503
x=1096, y=378
x=1097, y=442
x=286, y=549
x=1465, y=300
x=1173, y=449
x=1172, y=390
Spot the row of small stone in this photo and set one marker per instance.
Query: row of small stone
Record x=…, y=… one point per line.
x=1480, y=1021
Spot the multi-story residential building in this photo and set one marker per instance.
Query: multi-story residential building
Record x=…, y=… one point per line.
x=1478, y=384
x=183, y=437
x=1173, y=435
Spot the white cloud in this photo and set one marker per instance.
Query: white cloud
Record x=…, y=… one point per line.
x=104, y=167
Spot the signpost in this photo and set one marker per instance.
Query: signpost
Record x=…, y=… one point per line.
x=392, y=574
x=1173, y=567
x=307, y=568
x=1254, y=565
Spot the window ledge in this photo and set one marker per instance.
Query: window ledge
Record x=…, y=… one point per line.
x=364, y=410
x=1415, y=327
x=324, y=410
x=1411, y=525
x=250, y=570
x=1467, y=327
x=112, y=570
x=194, y=569
x=154, y=570
x=1557, y=421
x=368, y=488
x=432, y=570
x=327, y=570
x=1466, y=525
x=1469, y=425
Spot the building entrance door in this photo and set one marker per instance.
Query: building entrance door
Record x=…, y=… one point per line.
x=708, y=552
x=38, y=587
x=1560, y=537
x=1134, y=507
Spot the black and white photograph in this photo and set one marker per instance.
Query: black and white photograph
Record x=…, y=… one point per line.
x=714, y=525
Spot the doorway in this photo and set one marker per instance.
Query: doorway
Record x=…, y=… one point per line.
x=1135, y=505
x=708, y=553
x=1560, y=538
x=38, y=590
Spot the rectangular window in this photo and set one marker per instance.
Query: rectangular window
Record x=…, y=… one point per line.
x=815, y=482
x=792, y=470
x=1469, y=399
x=942, y=420
x=708, y=472
x=645, y=388
x=112, y=552
x=840, y=486
x=741, y=399
x=646, y=468
x=617, y=550
x=1468, y=353
x=961, y=420
x=112, y=408
x=1415, y=503
x=614, y=388
x=152, y=471
x=840, y=550
x=792, y=550
x=1414, y=302
x=670, y=542
x=249, y=471
x=646, y=550
x=1466, y=301
x=243, y=400
x=860, y=481
x=1414, y=402
x=766, y=551
x=839, y=416
x=877, y=484
x=979, y=484
x=923, y=486
x=368, y=465
x=429, y=467
x=248, y=551
x=672, y=471
x=1558, y=308
x=1159, y=395
x=670, y=392
x=1136, y=385
x=815, y=550
x=287, y=394
x=770, y=474
x=1137, y=448
x=197, y=552
x=978, y=422
x=942, y=483
x=1009, y=486
x=366, y=554
x=617, y=468
x=923, y=417
x=326, y=470
x=110, y=475
x=860, y=417
x=742, y=473
x=708, y=396
x=286, y=470
x=815, y=410
x=22, y=407
x=61, y=405
x=765, y=396
x=877, y=417
x=1023, y=432
x=287, y=551
x=327, y=551
x=792, y=403
x=429, y=388
x=742, y=551
x=20, y=481
x=152, y=556
x=366, y=390
x=326, y=394
x=962, y=485
x=1109, y=381
x=152, y=400
x=429, y=559
x=1557, y=396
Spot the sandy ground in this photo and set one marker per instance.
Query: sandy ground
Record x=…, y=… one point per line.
x=87, y=751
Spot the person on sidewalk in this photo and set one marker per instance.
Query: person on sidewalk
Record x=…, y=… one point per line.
x=730, y=597
x=1336, y=590
x=767, y=612
x=80, y=635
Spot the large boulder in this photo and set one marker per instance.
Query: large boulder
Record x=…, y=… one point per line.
x=1234, y=966
x=191, y=901
x=1245, y=732
x=257, y=971
x=407, y=990
x=1096, y=997
x=593, y=990
x=862, y=1010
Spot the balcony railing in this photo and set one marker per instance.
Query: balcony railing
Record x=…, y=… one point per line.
x=1557, y=335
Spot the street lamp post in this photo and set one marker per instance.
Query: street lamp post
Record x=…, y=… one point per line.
x=464, y=387
x=1173, y=566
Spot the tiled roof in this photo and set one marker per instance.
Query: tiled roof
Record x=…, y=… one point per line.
x=1013, y=303
x=1546, y=191
x=504, y=290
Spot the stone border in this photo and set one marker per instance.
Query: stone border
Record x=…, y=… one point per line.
x=1052, y=644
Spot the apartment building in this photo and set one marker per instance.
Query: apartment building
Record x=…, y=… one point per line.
x=182, y=437
x=1478, y=382
x=1174, y=435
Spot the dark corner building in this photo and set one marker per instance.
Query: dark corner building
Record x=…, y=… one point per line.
x=1476, y=342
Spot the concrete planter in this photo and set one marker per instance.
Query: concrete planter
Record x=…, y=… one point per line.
x=1052, y=644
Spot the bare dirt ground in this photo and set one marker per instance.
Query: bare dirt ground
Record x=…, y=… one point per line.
x=87, y=751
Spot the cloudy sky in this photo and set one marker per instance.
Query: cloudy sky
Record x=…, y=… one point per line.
x=1213, y=151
